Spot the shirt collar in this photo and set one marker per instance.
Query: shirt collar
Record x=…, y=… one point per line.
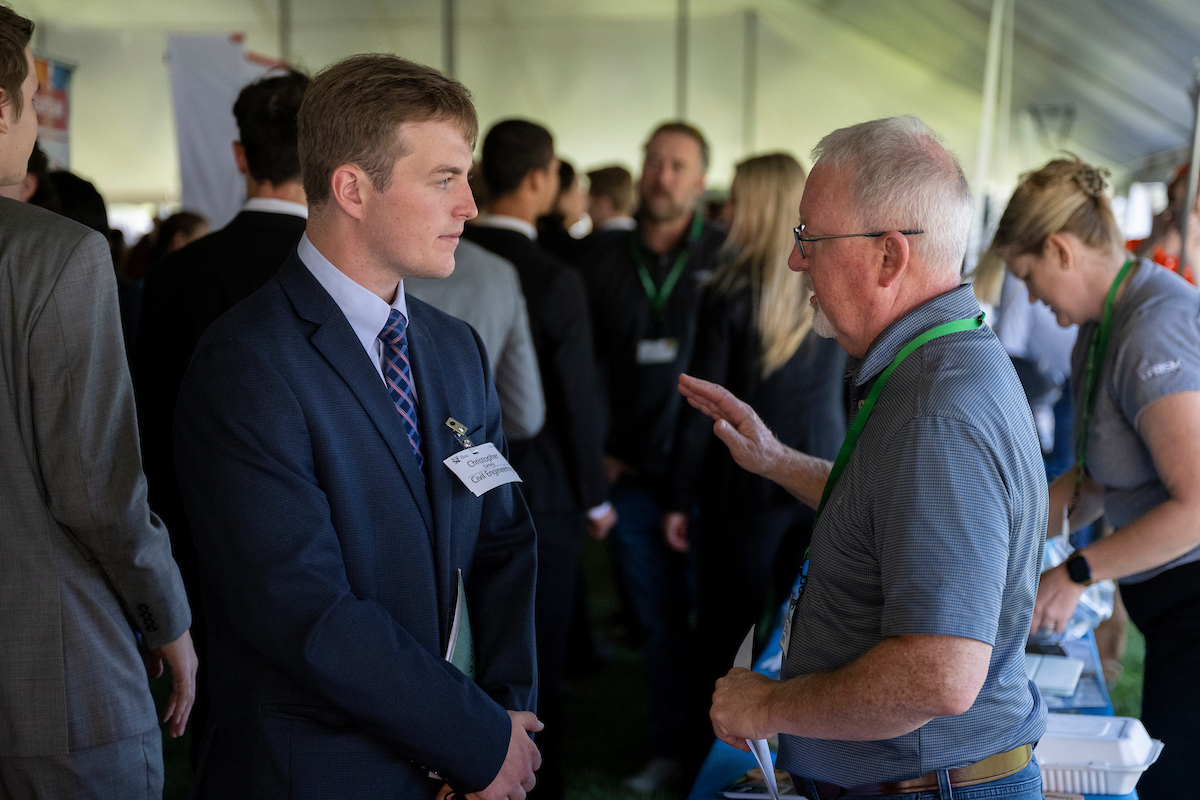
x=507, y=223
x=272, y=205
x=959, y=303
x=366, y=311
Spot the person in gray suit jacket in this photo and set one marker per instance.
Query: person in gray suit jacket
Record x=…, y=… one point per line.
x=485, y=292
x=86, y=575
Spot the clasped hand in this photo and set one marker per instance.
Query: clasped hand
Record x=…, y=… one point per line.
x=740, y=708
x=515, y=778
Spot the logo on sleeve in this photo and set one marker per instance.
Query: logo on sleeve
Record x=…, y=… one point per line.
x=1146, y=370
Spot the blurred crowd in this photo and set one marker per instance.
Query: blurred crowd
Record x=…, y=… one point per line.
x=591, y=292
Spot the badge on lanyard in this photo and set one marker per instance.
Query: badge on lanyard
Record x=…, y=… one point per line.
x=657, y=351
x=785, y=640
x=481, y=468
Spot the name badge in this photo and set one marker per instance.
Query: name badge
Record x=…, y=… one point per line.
x=785, y=641
x=657, y=351
x=482, y=468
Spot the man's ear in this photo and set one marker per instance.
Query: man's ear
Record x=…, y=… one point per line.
x=535, y=180
x=239, y=157
x=896, y=257
x=350, y=188
x=6, y=112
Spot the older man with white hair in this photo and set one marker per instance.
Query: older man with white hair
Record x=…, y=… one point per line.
x=903, y=649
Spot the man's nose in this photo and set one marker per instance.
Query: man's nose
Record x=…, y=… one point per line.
x=795, y=260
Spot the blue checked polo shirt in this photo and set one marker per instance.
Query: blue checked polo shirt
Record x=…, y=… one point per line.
x=935, y=527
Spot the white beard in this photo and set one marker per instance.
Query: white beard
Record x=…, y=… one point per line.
x=822, y=325
x=820, y=322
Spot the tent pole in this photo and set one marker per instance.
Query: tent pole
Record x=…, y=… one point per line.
x=987, y=123
x=285, y=31
x=750, y=84
x=1004, y=110
x=1193, y=174
x=681, y=59
x=449, y=32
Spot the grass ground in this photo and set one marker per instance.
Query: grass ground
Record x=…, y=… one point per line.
x=1127, y=694
x=606, y=740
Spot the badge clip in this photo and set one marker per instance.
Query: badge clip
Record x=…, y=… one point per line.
x=460, y=432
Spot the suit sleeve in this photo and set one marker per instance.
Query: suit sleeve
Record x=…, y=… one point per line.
x=580, y=391
x=87, y=444
x=518, y=381
x=263, y=527
x=500, y=593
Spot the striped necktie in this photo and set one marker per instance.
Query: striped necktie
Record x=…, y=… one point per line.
x=397, y=372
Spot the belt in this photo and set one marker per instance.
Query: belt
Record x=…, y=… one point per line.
x=992, y=768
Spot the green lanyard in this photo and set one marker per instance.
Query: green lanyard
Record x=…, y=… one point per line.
x=860, y=421
x=658, y=296
x=1097, y=347
x=856, y=429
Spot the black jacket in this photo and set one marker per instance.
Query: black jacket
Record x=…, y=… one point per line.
x=801, y=402
x=644, y=399
x=185, y=294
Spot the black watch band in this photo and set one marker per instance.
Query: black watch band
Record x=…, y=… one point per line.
x=1079, y=570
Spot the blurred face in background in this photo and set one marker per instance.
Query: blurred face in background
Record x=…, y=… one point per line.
x=672, y=177
x=546, y=185
x=572, y=202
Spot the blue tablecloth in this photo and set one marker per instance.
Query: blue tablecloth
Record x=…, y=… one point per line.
x=725, y=764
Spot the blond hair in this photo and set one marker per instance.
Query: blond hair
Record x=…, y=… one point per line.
x=353, y=110
x=1064, y=196
x=768, y=190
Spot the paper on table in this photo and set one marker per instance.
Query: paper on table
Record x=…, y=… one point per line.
x=762, y=753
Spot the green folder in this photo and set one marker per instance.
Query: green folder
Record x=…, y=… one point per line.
x=461, y=650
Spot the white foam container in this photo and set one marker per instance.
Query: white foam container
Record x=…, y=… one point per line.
x=1094, y=755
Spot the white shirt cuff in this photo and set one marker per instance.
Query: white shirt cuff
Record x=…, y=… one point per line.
x=599, y=511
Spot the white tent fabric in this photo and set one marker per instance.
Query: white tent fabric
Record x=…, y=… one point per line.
x=1107, y=79
x=206, y=74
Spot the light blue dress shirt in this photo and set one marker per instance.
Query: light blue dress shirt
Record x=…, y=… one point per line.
x=366, y=311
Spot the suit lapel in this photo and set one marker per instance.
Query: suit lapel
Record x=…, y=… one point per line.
x=335, y=340
x=438, y=444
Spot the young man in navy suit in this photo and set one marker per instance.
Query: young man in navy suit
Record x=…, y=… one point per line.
x=310, y=438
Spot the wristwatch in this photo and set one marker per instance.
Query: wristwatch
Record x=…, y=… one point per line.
x=1079, y=570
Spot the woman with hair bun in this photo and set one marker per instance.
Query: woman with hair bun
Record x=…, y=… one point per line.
x=1135, y=381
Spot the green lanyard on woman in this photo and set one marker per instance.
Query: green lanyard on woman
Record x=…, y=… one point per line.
x=1097, y=348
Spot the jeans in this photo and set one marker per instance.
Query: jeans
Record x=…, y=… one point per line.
x=654, y=580
x=1023, y=785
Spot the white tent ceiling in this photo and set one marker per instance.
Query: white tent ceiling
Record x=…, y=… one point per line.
x=1108, y=78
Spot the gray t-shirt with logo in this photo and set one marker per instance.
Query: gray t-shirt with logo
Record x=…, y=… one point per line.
x=1153, y=351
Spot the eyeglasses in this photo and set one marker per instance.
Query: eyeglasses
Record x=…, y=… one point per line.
x=801, y=238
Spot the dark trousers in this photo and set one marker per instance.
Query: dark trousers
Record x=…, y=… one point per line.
x=655, y=581
x=560, y=547
x=741, y=557
x=1166, y=610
